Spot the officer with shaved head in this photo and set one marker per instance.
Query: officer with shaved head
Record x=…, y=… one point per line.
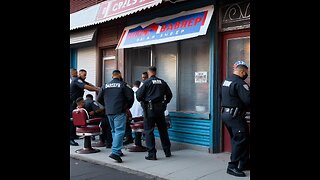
x=235, y=101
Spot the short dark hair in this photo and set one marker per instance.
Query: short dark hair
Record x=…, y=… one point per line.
x=137, y=83
x=79, y=99
x=82, y=70
x=242, y=67
x=152, y=68
x=145, y=73
x=89, y=96
x=116, y=71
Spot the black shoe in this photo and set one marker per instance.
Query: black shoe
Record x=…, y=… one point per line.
x=235, y=172
x=121, y=154
x=151, y=157
x=116, y=157
x=167, y=153
x=73, y=143
x=244, y=168
x=127, y=141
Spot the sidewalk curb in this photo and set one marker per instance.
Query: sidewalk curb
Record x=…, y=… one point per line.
x=114, y=166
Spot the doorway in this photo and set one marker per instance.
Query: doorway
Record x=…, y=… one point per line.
x=235, y=46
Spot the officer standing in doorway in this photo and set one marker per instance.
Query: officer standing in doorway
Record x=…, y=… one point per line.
x=235, y=102
x=154, y=96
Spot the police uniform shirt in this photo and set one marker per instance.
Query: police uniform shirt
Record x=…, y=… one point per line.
x=77, y=88
x=235, y=93
x=154, y=89
x=116, y=96
x=91, y=105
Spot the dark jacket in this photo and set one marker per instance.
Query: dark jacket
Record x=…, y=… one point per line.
x=235, y=93
x=116, y=96
x=154, y=89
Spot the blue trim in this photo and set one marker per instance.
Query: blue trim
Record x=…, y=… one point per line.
x=189, y=130
x=212, y=72
x=73, y=58
x=189, y=115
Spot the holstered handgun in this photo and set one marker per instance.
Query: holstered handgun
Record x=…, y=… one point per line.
x=235, y=113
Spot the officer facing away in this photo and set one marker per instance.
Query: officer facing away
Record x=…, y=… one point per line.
x=235, y=101
x=154, y=96
x=116, y=96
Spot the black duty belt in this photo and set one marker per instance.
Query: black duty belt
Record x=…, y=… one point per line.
x=228, y=110
x=234, y=111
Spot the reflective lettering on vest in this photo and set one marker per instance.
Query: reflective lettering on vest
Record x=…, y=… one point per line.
x=226, y=83
x=113, y=85
x=156, y=81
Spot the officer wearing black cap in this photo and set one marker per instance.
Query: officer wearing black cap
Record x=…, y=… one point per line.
x=154, y=96
x=117, y=97
x=235, y=101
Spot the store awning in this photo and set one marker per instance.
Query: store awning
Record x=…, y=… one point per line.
x=186, y=24
x=108, y=10
x=83, y=36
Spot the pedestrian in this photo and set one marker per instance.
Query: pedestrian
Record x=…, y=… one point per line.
x=117, y=97
x=137, y=112
x=77, y=86
x=235, y=101
x=154, y=96
x=144, y=77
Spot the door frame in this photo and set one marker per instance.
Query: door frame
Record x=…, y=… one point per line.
x=226, y=142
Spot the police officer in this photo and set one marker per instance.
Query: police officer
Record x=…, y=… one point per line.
x=117, y=97
x=154, y=96
x=97, y=110
x=235, y=102
x=77, y=86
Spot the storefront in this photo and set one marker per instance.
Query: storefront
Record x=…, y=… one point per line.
x=192, y=43
x=181, y=46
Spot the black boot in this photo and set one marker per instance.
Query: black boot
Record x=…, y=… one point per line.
x=151, y=156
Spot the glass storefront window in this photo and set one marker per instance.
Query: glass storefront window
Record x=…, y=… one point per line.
x=194, y=75
x=166, y=63
x=187, y=72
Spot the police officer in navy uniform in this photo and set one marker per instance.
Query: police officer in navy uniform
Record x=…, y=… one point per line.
x=235, y=102
x=77, y=86
x=117, y=97
x=154, y=96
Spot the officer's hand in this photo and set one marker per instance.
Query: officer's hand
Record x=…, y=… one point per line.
x=98, y=89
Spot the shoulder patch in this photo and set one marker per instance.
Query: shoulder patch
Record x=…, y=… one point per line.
x=246, y=87
x=80, y=81
x=226, y=83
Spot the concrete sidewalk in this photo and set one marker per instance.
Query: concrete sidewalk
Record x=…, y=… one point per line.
x=185, y=164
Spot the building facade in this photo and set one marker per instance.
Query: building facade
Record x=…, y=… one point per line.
x=192, y=43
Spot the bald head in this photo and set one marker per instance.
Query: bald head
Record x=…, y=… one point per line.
x=242, y=71
x=152, y=71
